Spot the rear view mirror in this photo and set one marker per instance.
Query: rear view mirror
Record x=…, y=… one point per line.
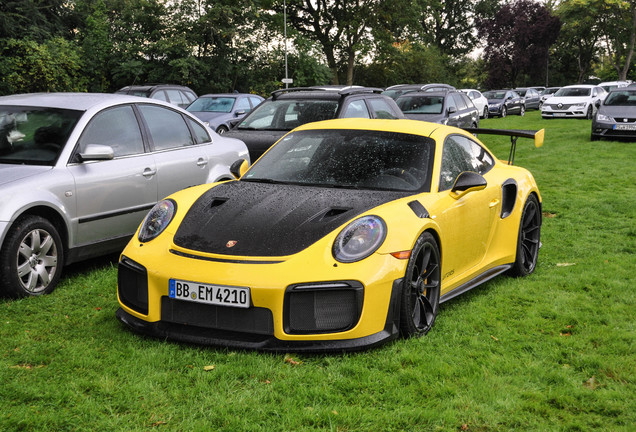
x=466, y=182
x=97, y=152
x=238, y=168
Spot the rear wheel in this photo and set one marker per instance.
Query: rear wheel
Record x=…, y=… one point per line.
x=32, y=258
x=485, y=112
x=421, y=288
x=504, y=111
x=221, y=130
x=529, y=238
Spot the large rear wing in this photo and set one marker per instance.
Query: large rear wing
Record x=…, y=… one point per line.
x=514, y=134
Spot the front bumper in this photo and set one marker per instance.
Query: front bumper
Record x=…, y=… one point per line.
x=613, y=130
x=293, y=305
x=574, y=112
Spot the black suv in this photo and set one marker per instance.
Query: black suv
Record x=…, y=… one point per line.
x=175, y=94
x=288, y=108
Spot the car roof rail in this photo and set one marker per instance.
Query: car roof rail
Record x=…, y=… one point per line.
x=349, y=90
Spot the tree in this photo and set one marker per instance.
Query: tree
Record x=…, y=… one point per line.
x=617, y=22
x=341, y=27
x=518, y=38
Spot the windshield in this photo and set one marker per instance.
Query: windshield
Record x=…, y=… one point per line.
x=495, y=94
x=288, y=113
x=139, y=93
x=574, y=92
x=621, y=98
x=421, y=104
x=34, y=136
x=355, y=159
x=212, y=104
x=521, y=92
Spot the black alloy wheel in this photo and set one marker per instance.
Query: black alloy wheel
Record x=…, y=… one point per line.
x=529, y=240
x=421, y=288
x=31, y=259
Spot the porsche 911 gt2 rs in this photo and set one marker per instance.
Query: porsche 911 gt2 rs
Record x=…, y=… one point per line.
x=344, y=235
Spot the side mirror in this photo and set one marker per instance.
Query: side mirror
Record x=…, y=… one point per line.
x=239, y=113
x=597, y=103
x=97, y=152
x=451, y=109
x=466, y=182
x=238, y=168
x=234, y=122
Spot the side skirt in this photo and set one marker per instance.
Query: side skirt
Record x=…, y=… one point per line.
x=480, y=279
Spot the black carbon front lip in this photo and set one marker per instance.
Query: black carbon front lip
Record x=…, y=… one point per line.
x=263, y=342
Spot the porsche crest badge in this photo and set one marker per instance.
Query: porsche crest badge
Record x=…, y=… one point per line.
x=231, y=243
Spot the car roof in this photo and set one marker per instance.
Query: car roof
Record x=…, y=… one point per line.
x=76, y=101
x=228, y=95
x=325, y=93
x=152, y=86
x=414, y=127
x=581, y=85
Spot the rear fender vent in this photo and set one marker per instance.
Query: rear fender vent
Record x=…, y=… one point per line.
x=508, y=197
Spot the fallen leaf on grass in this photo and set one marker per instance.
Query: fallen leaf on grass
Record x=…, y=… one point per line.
x=291, y=361
x=591, y=383
x=549, y=215
x=494, y=338
x=565, y=264
x=209, y=368
x=159, y=423
x=565, y=334
x=464, y=427
x=267, y=381
x=26, y=366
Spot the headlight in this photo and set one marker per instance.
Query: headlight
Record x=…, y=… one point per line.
x=359, y=239
x=603, y=117
x=157, y=220
x=579, y=105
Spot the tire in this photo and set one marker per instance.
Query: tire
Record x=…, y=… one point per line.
x=522, y=111
x=485, y=112
x=221, y=129
x=31, y=259
x=590, y=113
x=421, y=288
x=529, y=238
x=504, y=111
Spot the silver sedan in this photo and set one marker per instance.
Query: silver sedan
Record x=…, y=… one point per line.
x=79, y=171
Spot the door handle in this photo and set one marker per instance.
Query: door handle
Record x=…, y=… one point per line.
x=202, y=162
x=148, y=172
x=493, y=203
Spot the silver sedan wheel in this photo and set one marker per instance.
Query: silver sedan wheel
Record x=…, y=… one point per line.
x=37, y=261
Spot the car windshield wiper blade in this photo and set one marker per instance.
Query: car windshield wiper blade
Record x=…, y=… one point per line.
x=266, y=180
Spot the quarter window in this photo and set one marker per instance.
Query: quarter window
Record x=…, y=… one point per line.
x=356, y=109
x=382, y=109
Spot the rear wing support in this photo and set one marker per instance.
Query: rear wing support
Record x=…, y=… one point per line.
x=514, y=134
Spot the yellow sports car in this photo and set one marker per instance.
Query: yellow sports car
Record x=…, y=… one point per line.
x=344, y=235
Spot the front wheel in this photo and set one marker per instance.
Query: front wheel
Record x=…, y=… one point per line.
x=421, y=288
x=504, y=111
x=529, y=238
x=32, y=258
x=522, y=111
x=221, y=130
x=485, y=112
x=590, y=113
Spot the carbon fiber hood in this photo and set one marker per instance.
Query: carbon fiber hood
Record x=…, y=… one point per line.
x=270, y=219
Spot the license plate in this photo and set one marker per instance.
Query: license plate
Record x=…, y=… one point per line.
x=627, y=127
x=219, y=295
x=559, y=114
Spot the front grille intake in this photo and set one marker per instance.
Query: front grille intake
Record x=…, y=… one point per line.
x=132, y=285
x=324, y=307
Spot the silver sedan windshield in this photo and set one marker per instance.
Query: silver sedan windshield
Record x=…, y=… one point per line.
x=34, y=136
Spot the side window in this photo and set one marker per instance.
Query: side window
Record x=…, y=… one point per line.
x=461, y=104
x=255, y=101
x=450, y=103
x=356, y=109
x=200, y=134
x=462, y=154
x=167, y=128
x=382, y=109
x=115, y=127
x=243, y=105
x=160, y=95
x=469, y=103
x=189, y=97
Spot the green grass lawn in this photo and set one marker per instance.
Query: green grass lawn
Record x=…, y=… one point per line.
x=552, y=352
